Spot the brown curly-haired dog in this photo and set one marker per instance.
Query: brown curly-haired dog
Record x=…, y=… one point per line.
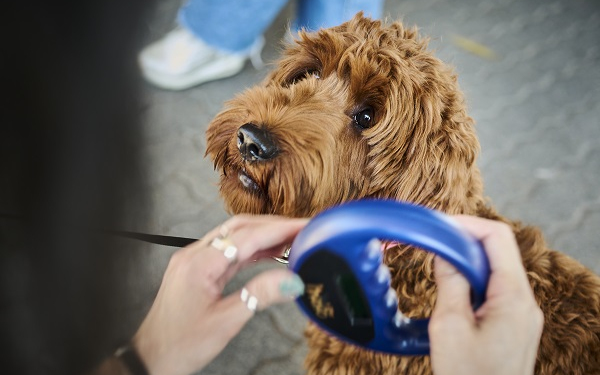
x=365, y=110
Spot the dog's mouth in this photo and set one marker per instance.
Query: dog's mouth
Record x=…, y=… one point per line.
x=248, y=182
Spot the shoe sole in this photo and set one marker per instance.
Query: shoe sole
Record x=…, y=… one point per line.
x=210, y=72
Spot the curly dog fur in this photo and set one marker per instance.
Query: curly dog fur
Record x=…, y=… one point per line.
x=365, y=110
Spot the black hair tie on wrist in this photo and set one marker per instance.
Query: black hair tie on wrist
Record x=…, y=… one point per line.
x=131, y=359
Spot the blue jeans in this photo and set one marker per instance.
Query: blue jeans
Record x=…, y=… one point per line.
x=234, y=25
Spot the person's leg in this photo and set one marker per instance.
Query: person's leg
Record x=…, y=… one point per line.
x=215, y=40
x=315, y=14
x=229, y=25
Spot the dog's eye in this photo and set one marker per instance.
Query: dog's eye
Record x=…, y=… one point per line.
x=364, y=118
x=304, y=75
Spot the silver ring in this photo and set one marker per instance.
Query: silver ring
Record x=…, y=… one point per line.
x=249, y=300
x=225, y=245
x=284, y=258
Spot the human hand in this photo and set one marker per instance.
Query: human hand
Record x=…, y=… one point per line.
x=191, y=321
x=503, y=335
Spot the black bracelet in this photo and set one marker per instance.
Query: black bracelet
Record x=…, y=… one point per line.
x=131, y=360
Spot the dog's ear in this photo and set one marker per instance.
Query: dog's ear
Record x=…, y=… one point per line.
x=445, y=152
x=425, y=149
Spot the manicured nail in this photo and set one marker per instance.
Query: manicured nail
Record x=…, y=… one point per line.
x=292, y=287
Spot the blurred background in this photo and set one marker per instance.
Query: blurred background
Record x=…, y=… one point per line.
x=530, y=71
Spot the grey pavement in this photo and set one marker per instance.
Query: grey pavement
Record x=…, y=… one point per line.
x=537, y=107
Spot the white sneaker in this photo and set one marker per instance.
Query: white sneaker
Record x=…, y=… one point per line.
x=180, y=61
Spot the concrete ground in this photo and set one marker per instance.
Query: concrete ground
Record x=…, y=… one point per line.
x=537, y=106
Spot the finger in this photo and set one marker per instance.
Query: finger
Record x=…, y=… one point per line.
x=264, y=290
x=500, y=246
x=252, y=237
x=267, y=288
x=272, y=287
x=497, y=238
x=203, y=265
x=453, y=290
x=278, y=251
x=262, y=234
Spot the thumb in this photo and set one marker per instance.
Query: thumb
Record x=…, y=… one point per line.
x=275, y=286
x=453, y=290
x=230, y=314
x=265, y=289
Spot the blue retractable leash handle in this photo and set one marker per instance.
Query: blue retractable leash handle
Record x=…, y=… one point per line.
x=339, y=257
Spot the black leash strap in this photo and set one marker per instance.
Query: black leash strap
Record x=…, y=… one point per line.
x=156, y=239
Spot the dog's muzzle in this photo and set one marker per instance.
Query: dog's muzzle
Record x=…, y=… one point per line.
x=256, y=144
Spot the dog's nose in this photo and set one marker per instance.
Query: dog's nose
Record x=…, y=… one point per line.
x=255, y=144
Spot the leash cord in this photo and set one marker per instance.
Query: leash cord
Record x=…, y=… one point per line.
x=157, y=239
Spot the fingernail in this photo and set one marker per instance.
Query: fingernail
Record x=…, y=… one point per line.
x=292, y=287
